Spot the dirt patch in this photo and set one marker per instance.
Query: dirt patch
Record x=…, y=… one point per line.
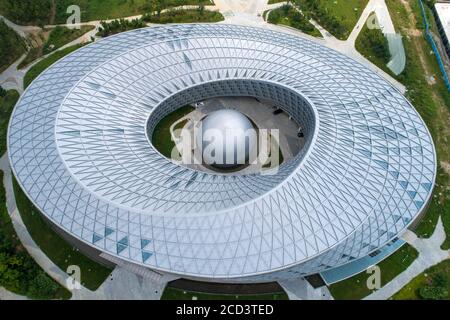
x=445, y=166
x=414, y=33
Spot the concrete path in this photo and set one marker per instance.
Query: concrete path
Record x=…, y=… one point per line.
x=21, y=30
x=12, y=78
x=430, y=254
x=300, y=289
x=240, y=12
x=7, y=295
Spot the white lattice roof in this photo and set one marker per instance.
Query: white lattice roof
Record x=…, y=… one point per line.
x=78, y=147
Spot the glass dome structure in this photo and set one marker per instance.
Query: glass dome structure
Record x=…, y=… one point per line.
x=223, y=139
x=78, y=146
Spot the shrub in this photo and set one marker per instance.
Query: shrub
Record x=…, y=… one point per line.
x=42, y=286
x=121, y=25
x=289, y=15
x=433, y=293
x=439, y=280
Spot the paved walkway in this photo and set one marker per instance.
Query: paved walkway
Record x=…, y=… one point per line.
x=300, y=289
x=7, y=295
x=12, y=78
x=430, y=254
x=249, y=13
x=383, y=17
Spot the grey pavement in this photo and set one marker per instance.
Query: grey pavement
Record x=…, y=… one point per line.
x=126, y=285
x=12, y=78
x=430, y=254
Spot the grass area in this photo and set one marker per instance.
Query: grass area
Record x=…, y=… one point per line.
x=338, y=17
x=428, y=278
x=61, y=36
x=7, y=103
x=179, y=294
x=290, y=16
x=12, y=46
x=43, y=12
x=264, y=15
x=50, y=41
x=432, y=100
x=185, y=16
x=372, y=44
x=161, y=137
x=19, y=273
x=56, y=248
x=275, y=1
x=39, y=67
x=355, y=288
x=29, y=12
x=112, y=9
x=181, y=124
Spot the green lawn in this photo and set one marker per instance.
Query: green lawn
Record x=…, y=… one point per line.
x=179, y=294
x=19, y=273
x=12, y=46
x=40, y=12
x=432, y=102
x=39, y=67
x=161, y=137
x=111, y=9
x=372, y=44
x=411, y=290
x=338, y=17
x=7, y=104
x=289, y=16
x=61, y=36
x=355, y=288
x=56, y=248
x=185, y=16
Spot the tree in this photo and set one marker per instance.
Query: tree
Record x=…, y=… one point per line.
x=42, y=286
x=201, y=9
x=433, y=293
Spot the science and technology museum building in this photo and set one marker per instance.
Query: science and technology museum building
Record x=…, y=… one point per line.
x=80, y=147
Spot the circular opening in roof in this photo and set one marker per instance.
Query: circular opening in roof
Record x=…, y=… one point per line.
x=233, y=127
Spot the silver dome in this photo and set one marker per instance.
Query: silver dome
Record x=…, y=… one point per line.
x=78, y=146
x=225, y=138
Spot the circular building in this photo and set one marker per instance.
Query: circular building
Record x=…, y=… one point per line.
x=79, y=147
